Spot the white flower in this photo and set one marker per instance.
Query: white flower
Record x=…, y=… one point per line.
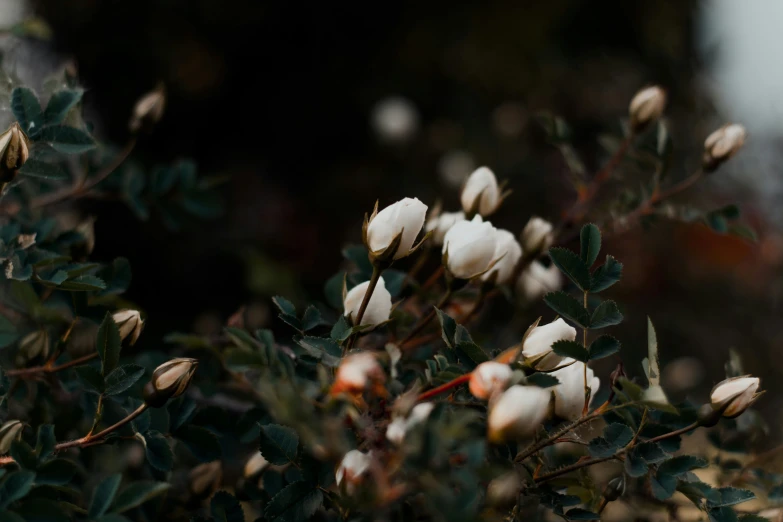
x=352, y=469
x=406, y=217
x=738, y=393
x=542, y=338
x=470, y=246
x=441, y=224
x=129, y=323
x=489, y=378
x=518, y=413
x=356, y=372
x=169, y=380
x=723, y=144
x=570, y=393
x=508, y=253
x=395, y=119
x=379, y=307
x=537, y=235
x=148, y=110
x=647, y=106
x=481, y=192
x=399, y=426
x=537, y=280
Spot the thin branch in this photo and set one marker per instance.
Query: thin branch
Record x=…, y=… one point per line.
x=427, y=319
x=35, y=370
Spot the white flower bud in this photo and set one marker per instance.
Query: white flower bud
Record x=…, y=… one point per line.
x=518, y=413
x=148, y=110
x=255, y=465
x=536, y=280
x=9, y=432
x=489, y=378
x=395, y=119
x=722, y=145
x=469, y=247
x=537, y=236
x=14, y=151
x=504, y=490
x=129, y=323
x=646, y=106
x=399, y=426
x=570, y=393
x=481, y=193
x=169, y=380
x=508, y=253
x=542, y=338
x=441, y=224
x=379, y=307
x=353, y=469
x=405, y=219
x=735, y=395
x=356, y=373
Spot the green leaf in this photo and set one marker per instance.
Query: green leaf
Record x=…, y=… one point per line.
x=284, y=305
x=224, y=507
x=159, y=453
x=108, y=345
x=357, y=254
x=604, y=346
x=60, y=105
x=663, y=486
x=42, y=510
x=122, y=378
x=572, y=266
x=635, y=466
x=615, y=437
x=181, y=410
x=295, y=503
x=722, y=514
x=67, y=140
x=448, y=327
x=138, y=493
x=83, y=283
x=9, y=516
x=590, y=243
x=682, y=464
x=572, y=349
x=323, y=349
x=606, y=275
x=278, y=444
x=34, y=168
x=8, y=333
x=333, y=291
x=652, y=370
x=542, y=380
x=568, y=307
x=695, y=491
x=730, y=496
x=16, y=485
x=200, y=441
x=46, y=441
x=56, y=472
x=23, y=455
x=27, y=110
x=312, y=319
x=606, y=314
x=90, y=377
x=581, y=514
x=341, y=330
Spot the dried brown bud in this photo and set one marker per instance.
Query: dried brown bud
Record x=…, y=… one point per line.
x=169, y=380
x=14, y=151
x=148, y=110
x=129, y=323
x=9, y=432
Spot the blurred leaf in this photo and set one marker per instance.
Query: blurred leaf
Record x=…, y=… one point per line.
x=572, y=266
x=295, y=503
x=615, y=437
x=606, y=275
x=224, y=507
x=357, y=254
x=323, y=349
x=568, y=307
x=722, y=514
x=103, y=495
x=59, y=105
x=333, y=290
x=27, y=110
x=108, y=345
x=117, y=275
x=15, y=486
x=278, y=444
x=180, y=410
x=91, y=377
x=582, y=514
x=448, y=327
x=604, y=346
x=46, y=440
x=23, y=455
x=730, y=496
x=138, y=493
x=56, y=472
x=8, y=333
x=394, y=280
x=122, y=378
x=572, y=349
x=590, y=244
x=67, y=140
x=34, y=168
x=200, y=441
x=605, y=314
x=159, y=453
x=42, y=510
x=9, y=516
x=696, y=491
x=542, y=380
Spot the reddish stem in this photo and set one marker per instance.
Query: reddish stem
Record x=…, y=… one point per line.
x=443, y=387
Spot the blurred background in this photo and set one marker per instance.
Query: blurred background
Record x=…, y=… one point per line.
x=314, y=112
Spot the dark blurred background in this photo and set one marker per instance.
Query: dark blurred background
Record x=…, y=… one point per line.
x=317, y=110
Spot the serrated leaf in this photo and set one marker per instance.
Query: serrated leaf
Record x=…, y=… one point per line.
x=33, y=168
x=472, y=351
x=662, y=485
x=27, y=110
x=605, y=314
x=67, y=140
x=278, y=444
x=572, y=266
x=696, y=491
x=225, y=507
x=341, y=330
x=615, y=437
x=542, y=380
x=653, y=372
x=581, y=514
x=46, y=440
x=635, y=466
x=83, y=283
x=603, y=346
x=91, y=377
x=200, y=441
x=23, y=455
x=323, y=349
x=284, y=305
x=682, y=464
x=138, y=493
x=60, y=104
x=122, y=378
x=55, y=472
x=722, y=514
x=568, y=307
x=730, y=496
x=572, y=349
x=294, y=503
x=312, y=318
x=181, y=410
x=590, y=243
x=606, y=275
x=158, y=451
x=15, y=486
x=108, y=345
x=448, y=327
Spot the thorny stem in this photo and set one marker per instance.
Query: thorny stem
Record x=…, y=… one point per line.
x=376, y=276
x=101, y=434
x=428, y=318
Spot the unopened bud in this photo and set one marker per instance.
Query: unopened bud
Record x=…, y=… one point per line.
x=722, y=145
x=14, y=151
x=169, y=380
x=646, y=107
x=489, y=378
x=9, y=432
x=537, y=236
x=34, y=344
x=358, y=372
x=204, y=479
x=255, y=465
x=148, y=110
x=352, y=470
x=614, y=489
x=733, y=396
x=129, y=323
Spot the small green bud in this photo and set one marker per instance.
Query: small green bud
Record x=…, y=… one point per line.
x=169, y=380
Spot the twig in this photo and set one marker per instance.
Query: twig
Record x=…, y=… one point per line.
x=26, y=372
x=428, y=318
x=444, y=387
x=91, y=439
x=376, y=276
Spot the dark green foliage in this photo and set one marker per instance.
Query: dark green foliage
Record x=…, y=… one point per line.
x=590, y=244
x=571, y=309
x=278, y=444
x=572, y=266
x=570, y=349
